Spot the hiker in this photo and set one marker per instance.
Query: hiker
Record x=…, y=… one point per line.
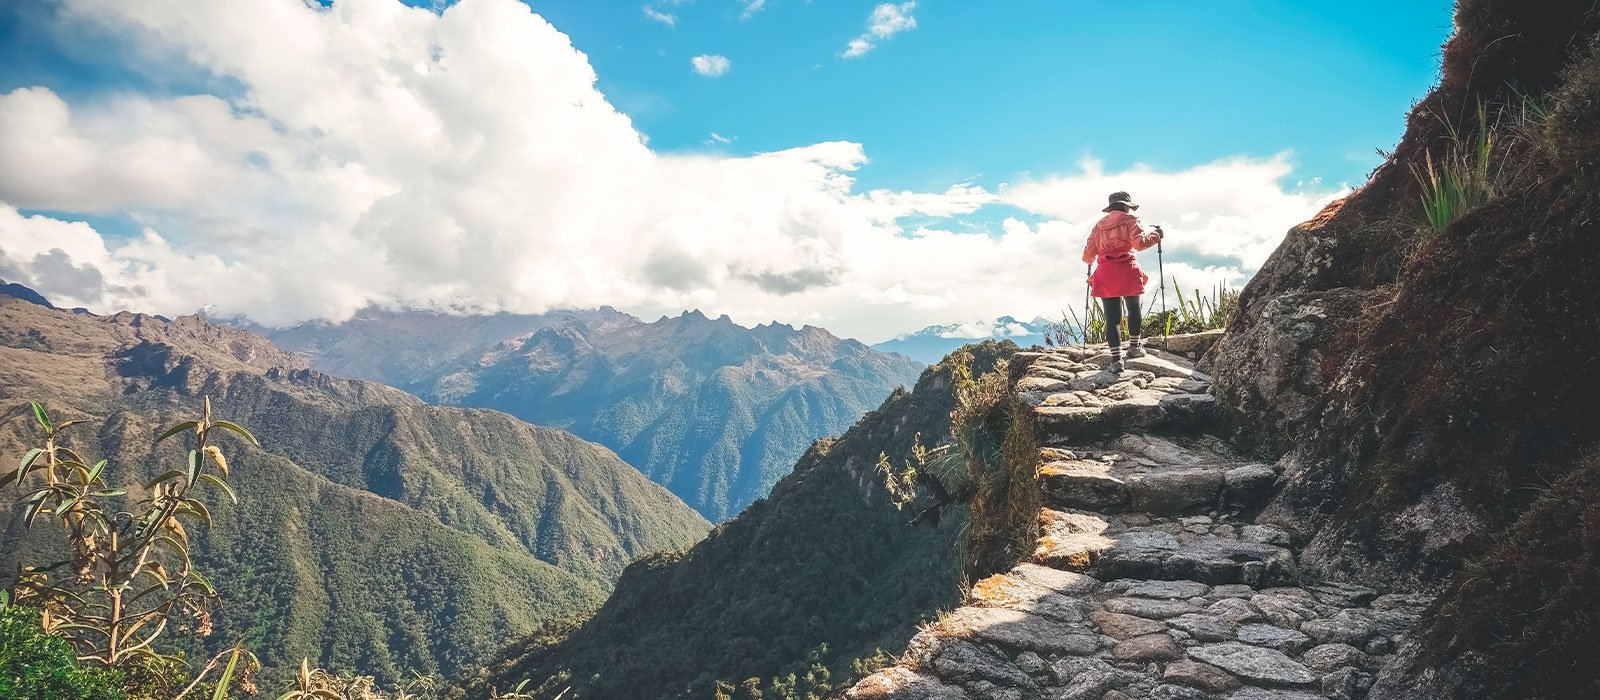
x=1117, y=280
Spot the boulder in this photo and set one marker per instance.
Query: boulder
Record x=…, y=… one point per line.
x=1248, y=486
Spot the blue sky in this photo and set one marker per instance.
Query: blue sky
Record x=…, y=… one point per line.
x=458, y=156
x=982, y=90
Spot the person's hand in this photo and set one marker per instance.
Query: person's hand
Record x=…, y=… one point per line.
x=1160, y=234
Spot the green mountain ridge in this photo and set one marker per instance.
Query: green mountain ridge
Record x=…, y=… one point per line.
x=375, y=533
x=715, y=411
x=826, y=559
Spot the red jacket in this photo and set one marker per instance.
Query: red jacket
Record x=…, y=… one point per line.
x=1118, y=232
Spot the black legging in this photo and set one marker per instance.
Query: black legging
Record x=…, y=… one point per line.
x=1113, y=306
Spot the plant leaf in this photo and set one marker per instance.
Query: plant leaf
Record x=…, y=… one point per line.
x=221, y=486
x=174, y=430
x=194, y=466
x=236, y=428
x=35, y=504
x=226, y=680
x=169, y=474
x=41, y=416
x=205, y=583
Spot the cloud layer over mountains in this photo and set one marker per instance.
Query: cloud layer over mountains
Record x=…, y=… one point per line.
x=373, y=153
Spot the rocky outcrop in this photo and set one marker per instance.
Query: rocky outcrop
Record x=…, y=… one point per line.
x=1430, y=394
x=1150, y=578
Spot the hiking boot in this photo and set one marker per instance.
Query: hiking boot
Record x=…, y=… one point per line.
x=1135, y=349
x=1114, y=366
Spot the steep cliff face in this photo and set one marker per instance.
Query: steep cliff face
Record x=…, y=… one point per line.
x=1434, y=396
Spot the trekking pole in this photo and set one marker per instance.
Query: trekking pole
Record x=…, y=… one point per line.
x=1161, y=274
x=1088, y=291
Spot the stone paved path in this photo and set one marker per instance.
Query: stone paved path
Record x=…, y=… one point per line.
x=1149, y=580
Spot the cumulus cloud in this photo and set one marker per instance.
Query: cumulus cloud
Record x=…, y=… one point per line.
x=711, y=65
x=464, y=160
x=887, y=20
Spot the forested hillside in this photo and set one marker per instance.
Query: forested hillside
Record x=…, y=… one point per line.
x=714, y=411
x=374, y=533
x=825, y=570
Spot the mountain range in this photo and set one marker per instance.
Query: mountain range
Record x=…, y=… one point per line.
x=374, y=532
x=826, y=570
x=715, y=411
x=931, y=344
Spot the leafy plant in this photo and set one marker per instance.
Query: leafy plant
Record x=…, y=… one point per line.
x=1463, y=178
x=1196, y=312
x=129, y=576
x=1072, y=330
x=37, y=664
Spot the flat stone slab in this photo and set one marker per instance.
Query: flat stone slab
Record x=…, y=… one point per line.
x=964, y=662
x=1199, y=675
x=1071, y=540
x=1018, y=592
x=1331, y=657
x=1287, y=641
x=1167, y=589
x=1020, y=630
x=1207, y=559
x=899, y=683
x=1150, y=608
x=1254, y=663
x=1150, y=647
x=1174, y=491
x=1206, y=628
x=1123, y=626
x=1252, y=693
x=1087, y=484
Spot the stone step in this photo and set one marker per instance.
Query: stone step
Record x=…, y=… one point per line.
x=1140, y=411
x=1132, y=479
x=1204, y=551
x=1074, y=399
x=1035, y=632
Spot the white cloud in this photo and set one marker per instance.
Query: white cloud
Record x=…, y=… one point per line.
x=711, y=65
x=751, y=7
x=718, y=140
x=886, y=20
x=379, y=154
x=661, y=16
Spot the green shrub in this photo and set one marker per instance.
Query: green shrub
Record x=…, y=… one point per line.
x=1195, y=312
x=36, y=664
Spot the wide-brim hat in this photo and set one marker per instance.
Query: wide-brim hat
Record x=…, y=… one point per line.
x=1122, y=198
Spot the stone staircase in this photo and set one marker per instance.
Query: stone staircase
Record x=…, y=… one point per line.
x=1150, y=578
